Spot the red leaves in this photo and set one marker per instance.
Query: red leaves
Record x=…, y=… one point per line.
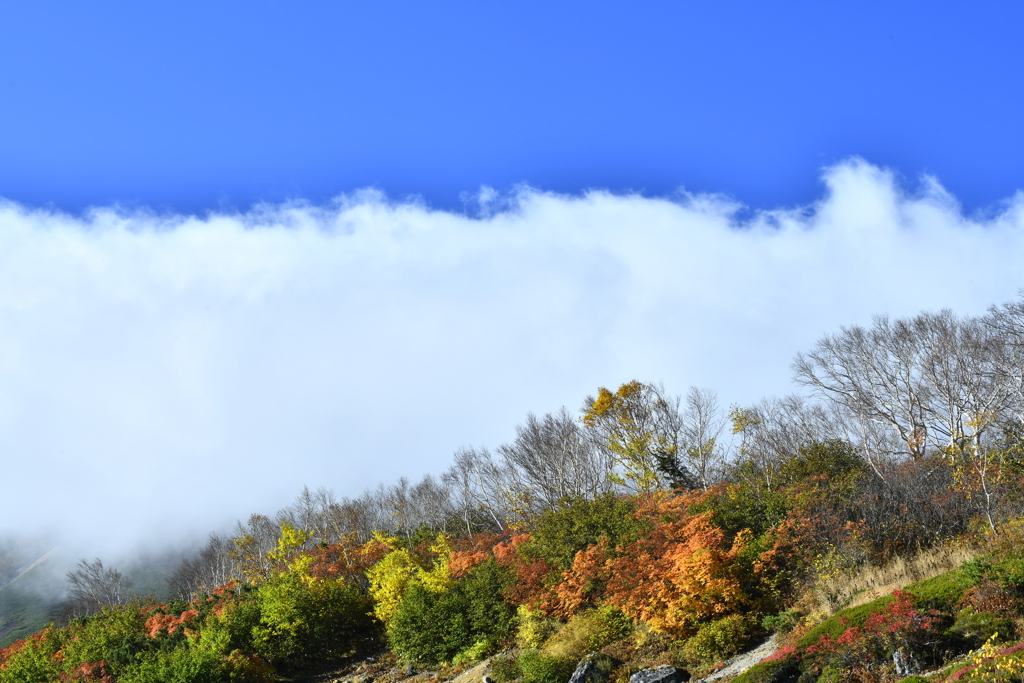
x=898, y=626
x=530, y=587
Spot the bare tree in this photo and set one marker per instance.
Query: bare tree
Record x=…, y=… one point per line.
x=938, y=380
x=479, y=487
x=91, y=587
x=702, y=425
x=432, y=501
x=775, y=429
x=253, y=542
x=552, y=459
x=1006, y=323
x=875, y=374
x=213, y=566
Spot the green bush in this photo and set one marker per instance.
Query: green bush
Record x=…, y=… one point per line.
x=301, y=623
x=769, y=672
x=533, y=627
x=941, y=592
x=834, y=459
x=577, y=524
x=541, y=668
x=834, y=626
x=971, y=629
x=434, y=627
x=588, y=632
x=506, y=668
x=181, y=665
x=32, y=661
x=719, y=640
x=115, y=635
x=783, y=622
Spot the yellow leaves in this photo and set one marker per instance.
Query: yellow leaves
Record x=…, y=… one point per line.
x=290, y=541
x=438, y=578
x=628, y=422
x=289, y=552
x=742, y=419
x=389, y=579
x=603, y=404
x=257, y=565
x=399, y=569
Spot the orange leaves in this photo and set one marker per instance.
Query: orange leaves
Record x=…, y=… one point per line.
x=168, y=623
x=684, y=571
x=347, y=560
x=583, y=585
x=462, y=561
x=682, y=574
x=471, y=552
x=90, y=672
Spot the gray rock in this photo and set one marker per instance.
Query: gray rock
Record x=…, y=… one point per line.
x=666, y=674
x=408, y=670
x=587, y=672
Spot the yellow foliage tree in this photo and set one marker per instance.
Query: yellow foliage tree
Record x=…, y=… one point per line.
x=638, y=424
x=399, y=569
x=288, y=554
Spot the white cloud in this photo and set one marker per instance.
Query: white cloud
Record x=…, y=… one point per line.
x=164, y=373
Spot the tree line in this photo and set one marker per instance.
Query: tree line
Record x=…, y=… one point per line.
x=933, y=404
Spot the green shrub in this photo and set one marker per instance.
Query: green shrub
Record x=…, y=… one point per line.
x=578, y=524
x=1008, y=570
x=506, y=668
x=533, y=627
x=834, y=626
x=976, y=570
x=719, y=640
x=971, y=629
x=474, y=653
x=783, y=622
x=302, y=622
x=769, y=672
x=434, y=627
x=588, y=632
x=115, y=635
x=833, y=459
x=180, y=665
x=941, y=592
x=31, y=660
x=541, y=668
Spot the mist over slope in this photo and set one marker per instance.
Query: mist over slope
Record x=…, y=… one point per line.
x=164, y=375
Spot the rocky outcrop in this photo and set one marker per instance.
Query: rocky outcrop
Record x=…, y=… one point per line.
x=587, y=672
x=663, y=674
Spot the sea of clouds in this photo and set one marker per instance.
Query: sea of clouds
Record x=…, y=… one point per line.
x=163, y=375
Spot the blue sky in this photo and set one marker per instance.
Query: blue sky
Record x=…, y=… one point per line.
x=246, y=247
x=195, y=106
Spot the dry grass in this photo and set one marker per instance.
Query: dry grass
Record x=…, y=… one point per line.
x=868, y=582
